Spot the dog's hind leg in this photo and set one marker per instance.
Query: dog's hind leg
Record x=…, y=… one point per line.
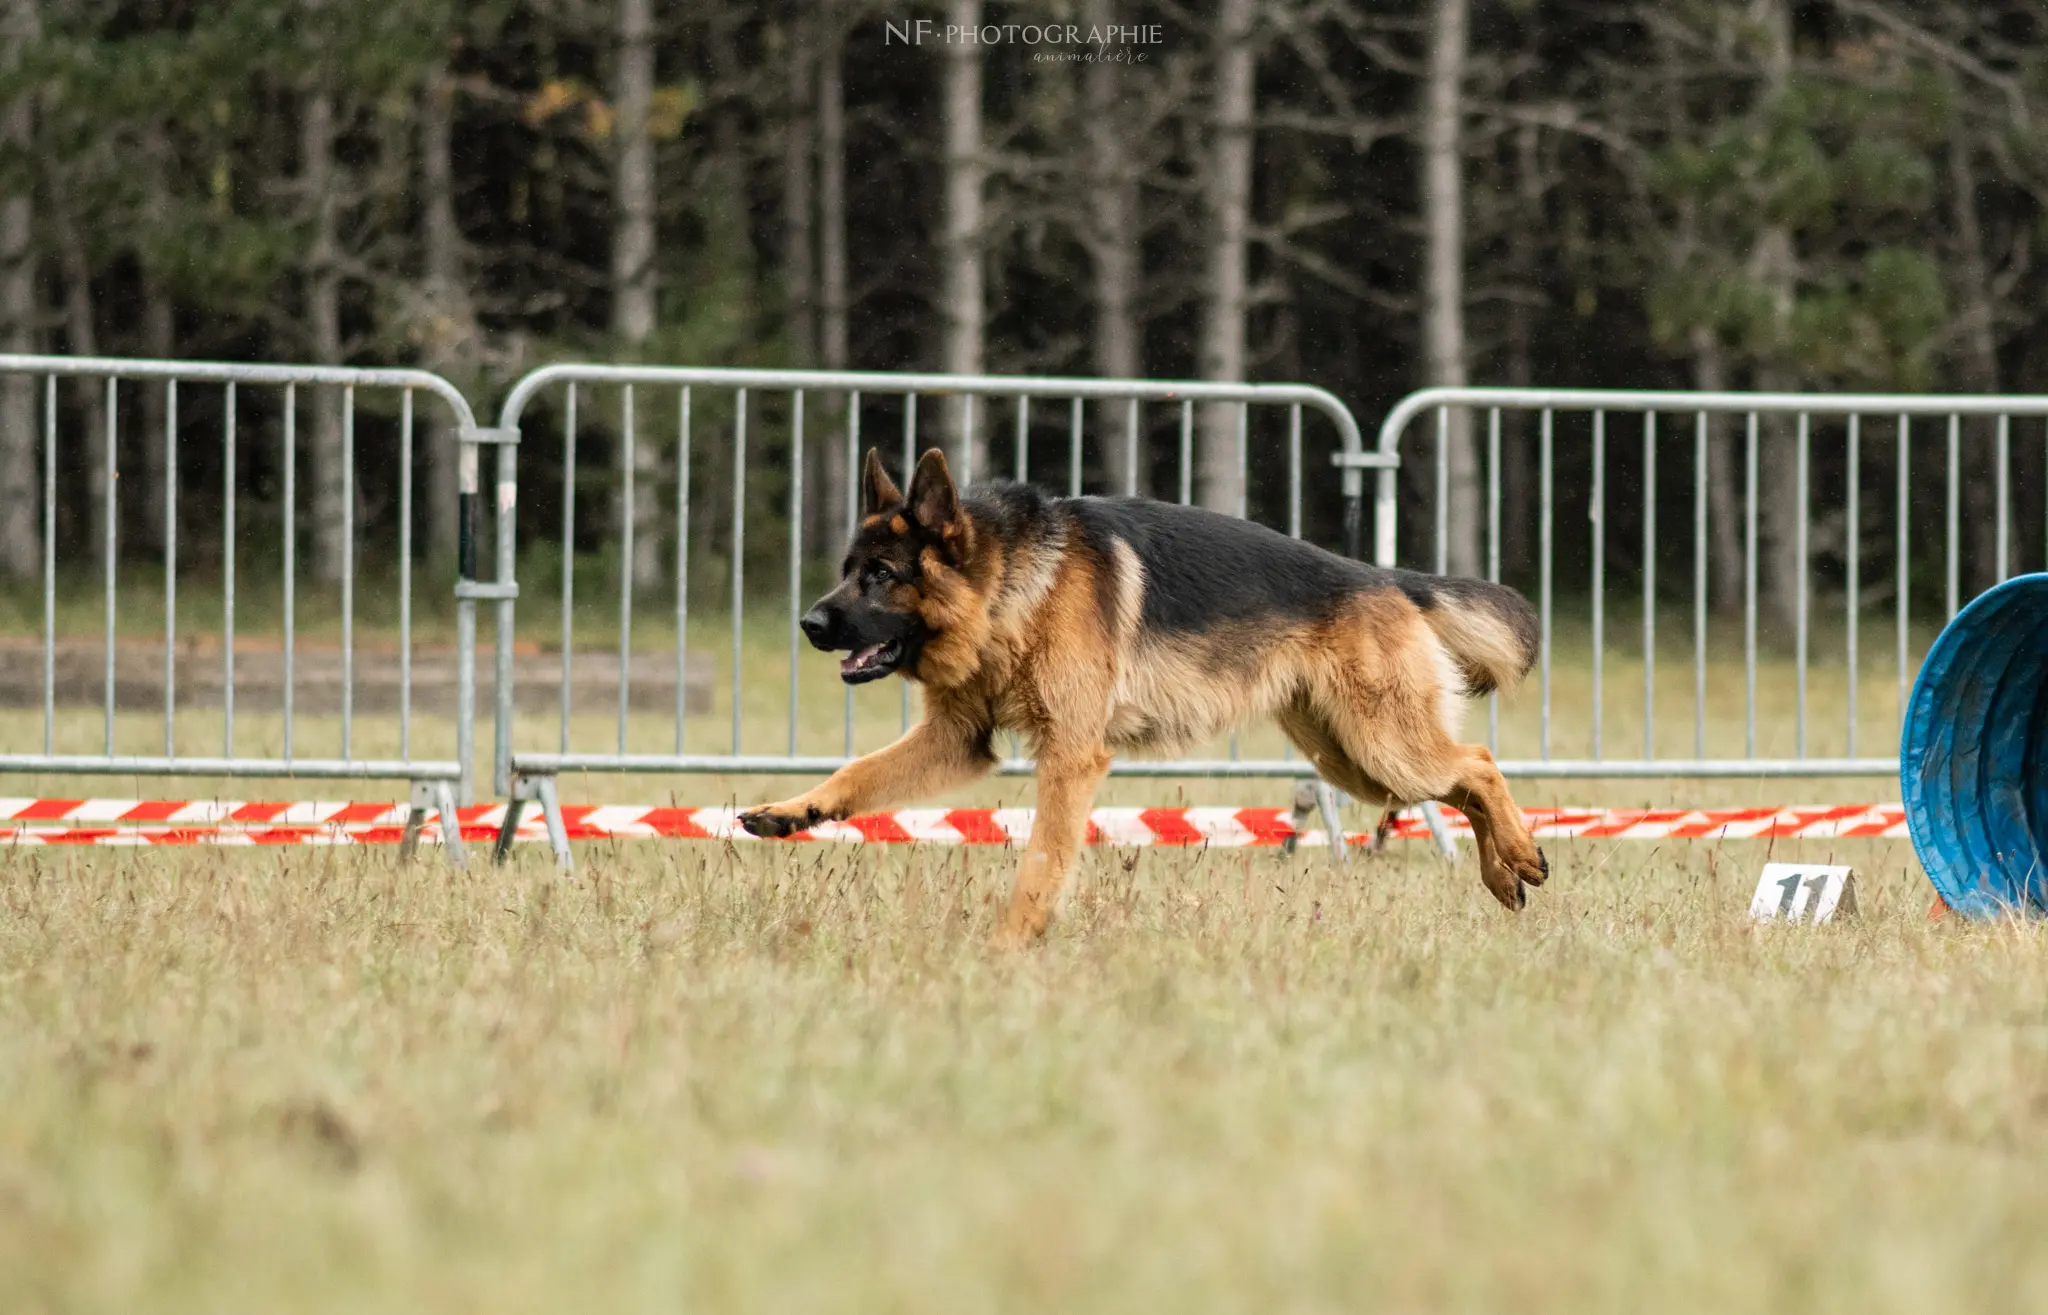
x=1391, y=736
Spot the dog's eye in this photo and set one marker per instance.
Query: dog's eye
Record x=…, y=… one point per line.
x=877, y=574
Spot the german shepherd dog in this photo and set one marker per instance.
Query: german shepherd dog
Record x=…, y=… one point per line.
x=1094, y=626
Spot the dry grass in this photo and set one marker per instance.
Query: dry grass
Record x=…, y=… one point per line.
x=791, y=1078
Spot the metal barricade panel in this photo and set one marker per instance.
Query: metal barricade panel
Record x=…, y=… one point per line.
x=734, y=447
x=246, y=706
x=1813, y=517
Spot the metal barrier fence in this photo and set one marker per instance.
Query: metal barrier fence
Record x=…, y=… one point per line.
x=224, y=389
x=745, y=401
x=1860, y=430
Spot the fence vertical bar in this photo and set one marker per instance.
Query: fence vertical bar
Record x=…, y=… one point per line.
x=1131, y=449
x=852, y=519
x=49, y=563
x=1649, y=584
x=1599, y=519
x=170, y=568
x=1023, y=439
x=506, y=524
x=227, y=567
x=110, y=505
x=1074, y=423
x=291, y=552
x=739, y=541
x=2004, y=477
x=1294, y=471
x=1955, y=532
x=568, y=618
x=909, y=465
x=1187, y=453
x=348, y=566
x=1749, y=587
x=1492, y=552
x=629, y=516
x=405, y=574
x=683, y=560
x=1244, y=491
x=1244, y=460
x=1854, y=565
x=796, y=548
x=1545, y=544
x=1900, y=590
x=1442, y=514
x=1699, y=585
x=967, y=410
x=1803, y=479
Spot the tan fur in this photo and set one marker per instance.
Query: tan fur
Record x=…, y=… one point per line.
x=1020, y=642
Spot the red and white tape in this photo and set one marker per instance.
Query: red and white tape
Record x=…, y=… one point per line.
x=167, y=822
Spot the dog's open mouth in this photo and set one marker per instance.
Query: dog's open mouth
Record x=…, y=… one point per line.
x=871, y=663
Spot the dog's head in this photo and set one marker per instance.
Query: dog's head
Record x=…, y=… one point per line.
x=880, y=613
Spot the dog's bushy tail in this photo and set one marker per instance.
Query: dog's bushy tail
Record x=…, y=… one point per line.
x=1491, y=631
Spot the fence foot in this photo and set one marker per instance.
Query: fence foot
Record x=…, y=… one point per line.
x=541, y=790
x=1318, y=796
x=1446, y=843
x=415, y=818
x=515, y=807
x=1327, y=801
x=551, y=813
x=451, y=824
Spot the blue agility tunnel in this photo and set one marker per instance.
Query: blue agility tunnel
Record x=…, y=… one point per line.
x=1973, y=761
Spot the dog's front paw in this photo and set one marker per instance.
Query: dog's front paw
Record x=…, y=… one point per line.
x=774, y=821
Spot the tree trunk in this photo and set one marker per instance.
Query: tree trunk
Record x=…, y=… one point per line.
x=1517, y=484
x=961, y=242
x=323, y=313
x=81, y=338
x=1443, y=201
x=832, y=250
x=147, y=530
x=20, y=446
x=451, y=342
x=799, y=245
x=1221, y=484
x=1113, y=242
x=1724, y=487
x=633, y=307
x=1977, y=369
x=800, y=311
x=1775, y=265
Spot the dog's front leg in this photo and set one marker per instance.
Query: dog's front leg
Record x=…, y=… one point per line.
x=936, y=754
x=1067, y=776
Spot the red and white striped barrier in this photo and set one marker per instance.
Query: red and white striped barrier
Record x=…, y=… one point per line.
x=165, y=822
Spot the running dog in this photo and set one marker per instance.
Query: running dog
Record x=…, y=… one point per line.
x=1097, y=626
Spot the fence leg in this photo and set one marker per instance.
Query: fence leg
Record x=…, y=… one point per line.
x=515, y=807
x=415, y=817
x=1333, y=823
x=450, y=822
x=1304, y=804
x=1446, y=843
x=551, y=812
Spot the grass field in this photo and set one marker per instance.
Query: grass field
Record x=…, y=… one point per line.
x=792, y=1078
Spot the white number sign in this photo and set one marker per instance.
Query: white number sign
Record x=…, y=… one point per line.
x=1804, y=892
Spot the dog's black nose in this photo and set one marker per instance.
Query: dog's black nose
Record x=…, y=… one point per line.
x=817, y=627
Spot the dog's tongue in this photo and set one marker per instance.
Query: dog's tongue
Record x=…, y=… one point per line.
x=857, y=661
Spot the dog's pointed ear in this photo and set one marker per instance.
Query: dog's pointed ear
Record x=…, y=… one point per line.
x=881, y=490
x=934, y=502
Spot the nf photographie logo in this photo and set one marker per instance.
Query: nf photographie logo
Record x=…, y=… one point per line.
x=1075, y=36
